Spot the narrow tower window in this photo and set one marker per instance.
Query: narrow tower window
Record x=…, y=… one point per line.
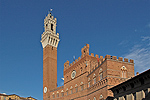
x=48, y=39
x=56, y=43
x=52, y=27
x=46, y=26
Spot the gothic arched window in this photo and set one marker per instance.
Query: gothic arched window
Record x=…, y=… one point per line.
x=101, y=97
x=57, y=95
x=67, y=91
x=53, y=95
x=76, y=88
x=82, y=86
x=62, y=93
x=71, y=89
x=123, y=72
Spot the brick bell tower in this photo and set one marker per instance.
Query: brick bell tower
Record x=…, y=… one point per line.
x=49, y=40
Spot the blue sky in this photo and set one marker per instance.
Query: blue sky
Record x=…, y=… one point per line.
x=116, y=27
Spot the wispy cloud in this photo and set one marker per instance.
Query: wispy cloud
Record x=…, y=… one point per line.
x=147, y=39
x=140, y=53
x=148, y=25
x=123, y=42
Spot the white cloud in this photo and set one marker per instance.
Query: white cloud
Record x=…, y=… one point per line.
x=62, y=79
x=145, y=38
x=140, y=53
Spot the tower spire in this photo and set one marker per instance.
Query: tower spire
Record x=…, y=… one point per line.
x=50, y=11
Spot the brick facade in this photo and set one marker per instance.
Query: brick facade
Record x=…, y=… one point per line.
x=87, y=78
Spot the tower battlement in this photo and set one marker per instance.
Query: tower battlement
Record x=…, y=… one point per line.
x=49, y=36
x=49, y=16
x=85, y=50
x=119, y=58
x=101, y=59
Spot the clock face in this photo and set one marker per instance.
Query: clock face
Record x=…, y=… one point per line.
x=73, y=74
x=45, y=89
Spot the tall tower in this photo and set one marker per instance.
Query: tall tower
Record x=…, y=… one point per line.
x=49, y=40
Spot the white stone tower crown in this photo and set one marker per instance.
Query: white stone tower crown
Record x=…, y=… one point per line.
x=49, y=36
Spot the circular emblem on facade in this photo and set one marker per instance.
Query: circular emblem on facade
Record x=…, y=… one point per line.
x=45, y=89
x=73, y=74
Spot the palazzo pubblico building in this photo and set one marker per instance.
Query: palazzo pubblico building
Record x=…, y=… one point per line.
x=89, y=77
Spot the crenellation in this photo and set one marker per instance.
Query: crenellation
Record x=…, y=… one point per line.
x=131, y=61
x=79, y=58
x=76, y=60
x=57, y=35
x=120, y=59
x=49, y=16
x=73, y=62
x=52, y=17
x=92, y=54
x=87, y=45
x=107, y=57
x=114, y=57
x=125, y=60
x=85, y=50
x=66, y=64
x=101, y=59
x=97, y=56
